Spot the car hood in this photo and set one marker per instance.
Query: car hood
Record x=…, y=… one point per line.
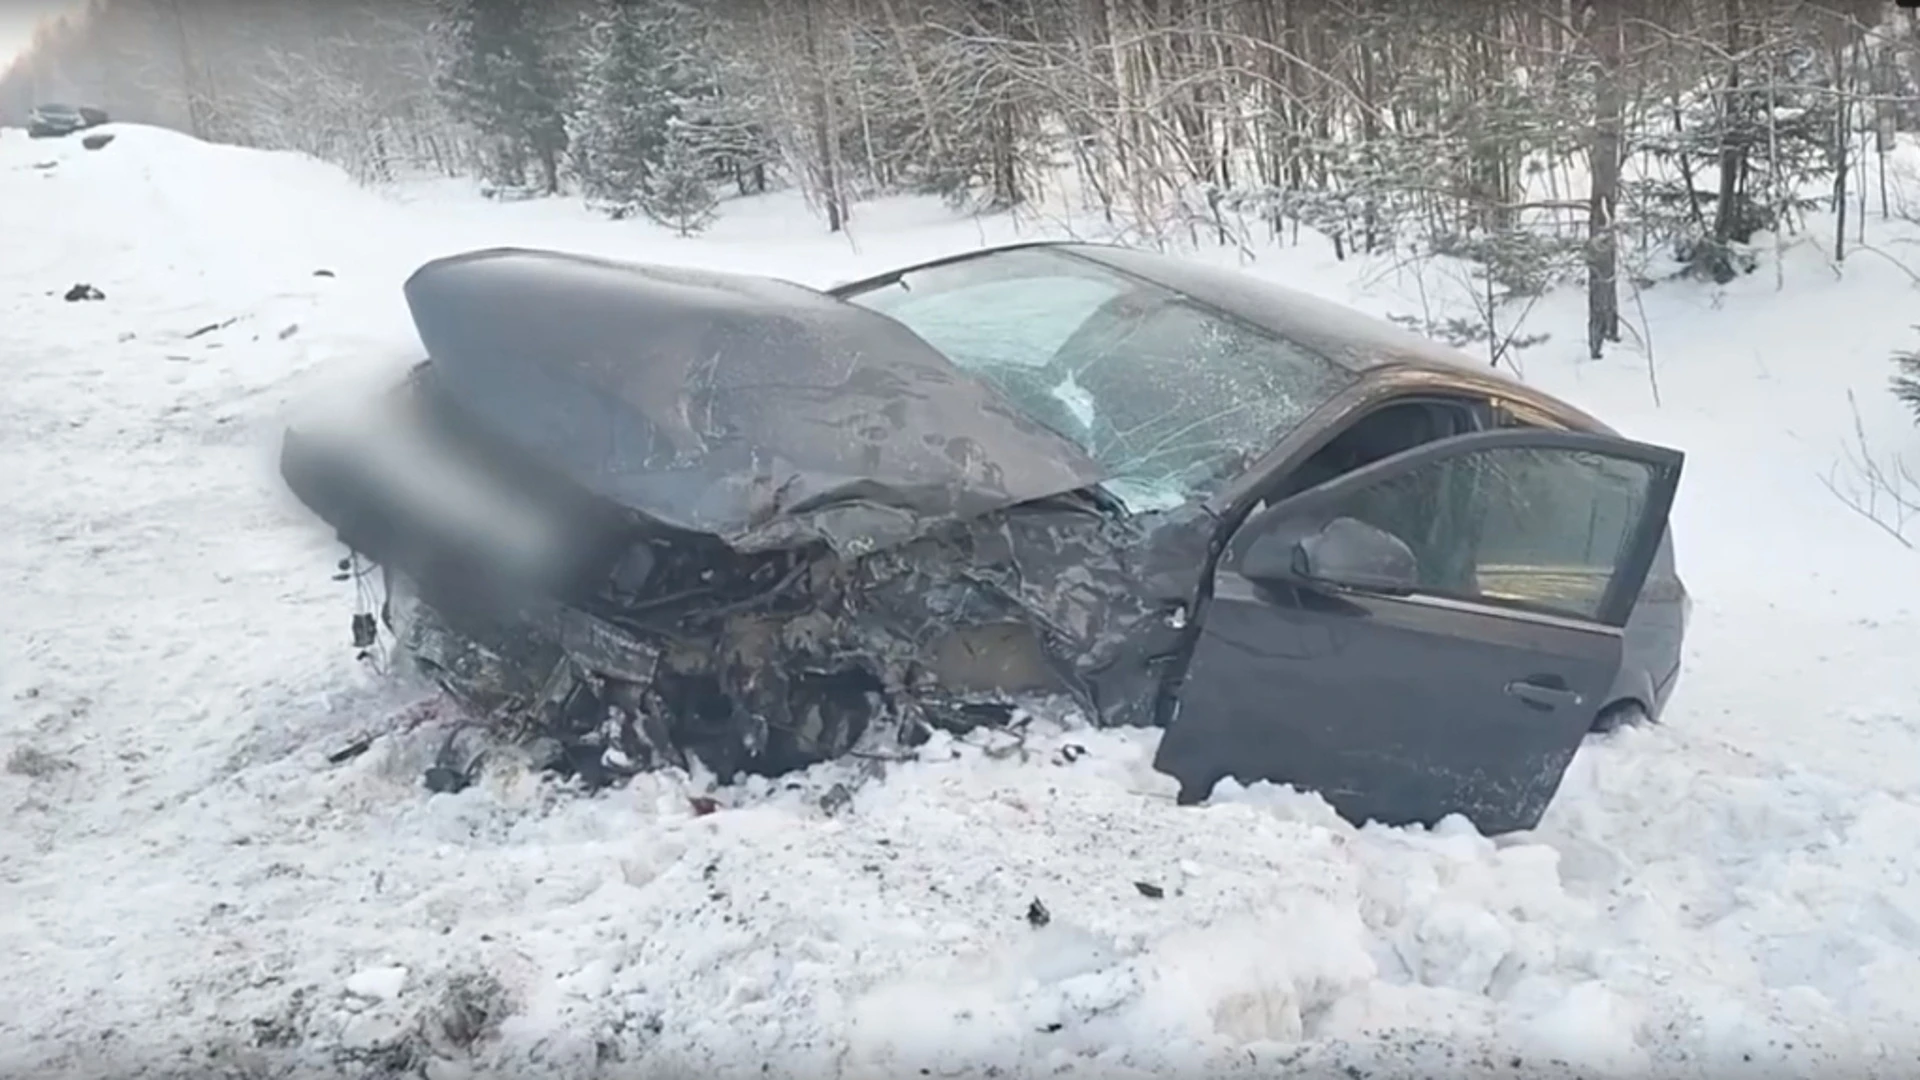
x=759, y=411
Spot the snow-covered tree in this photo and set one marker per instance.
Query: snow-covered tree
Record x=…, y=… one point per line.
x=507, y=77
x=678, y=192
x=635, y=78
x=721, y=105
x=1906, y=381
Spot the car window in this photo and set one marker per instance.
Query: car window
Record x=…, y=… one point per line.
x=1170, y=397
x=1030, y=317
x=1543, y=529
x=1185, y=395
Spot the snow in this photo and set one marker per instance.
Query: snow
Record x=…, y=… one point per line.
x=377, y=983
x=187, y=883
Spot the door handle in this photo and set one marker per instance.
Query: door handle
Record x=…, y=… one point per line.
x=1547, y=697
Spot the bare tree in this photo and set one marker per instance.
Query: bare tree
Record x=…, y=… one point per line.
x=1522, y=142
x=1882, y=489
x=1604, y=32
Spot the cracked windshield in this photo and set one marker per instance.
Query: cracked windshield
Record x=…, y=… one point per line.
x=1173, y=400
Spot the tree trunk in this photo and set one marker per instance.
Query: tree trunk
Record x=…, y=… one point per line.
x=1733, y=135
x=1842, y=148
x=189, y=82
x=823, y=133
x=1603, y=155
x=917, y=82
x=549, y=167
x=1006, y=158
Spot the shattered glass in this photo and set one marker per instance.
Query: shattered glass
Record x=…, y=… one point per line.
x=1170, y=398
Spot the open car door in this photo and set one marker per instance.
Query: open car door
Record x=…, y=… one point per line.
x=1431, y=634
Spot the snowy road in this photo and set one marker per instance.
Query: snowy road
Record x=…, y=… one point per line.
x=186, y=883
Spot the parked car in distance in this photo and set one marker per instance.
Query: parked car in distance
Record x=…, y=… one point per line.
x=52, y=121
x=724, y=518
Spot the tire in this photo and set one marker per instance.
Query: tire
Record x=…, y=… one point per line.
x=1620, y=714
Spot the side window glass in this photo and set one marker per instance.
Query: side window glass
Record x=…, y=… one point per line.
x=1544, y=529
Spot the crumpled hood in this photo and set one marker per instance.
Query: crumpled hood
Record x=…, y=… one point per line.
x=756, y=410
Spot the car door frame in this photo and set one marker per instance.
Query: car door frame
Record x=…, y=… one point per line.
x=1513, y=404
x=1376, y=388
x=1379, y=388
x=1634, y=566
x=1499, y=619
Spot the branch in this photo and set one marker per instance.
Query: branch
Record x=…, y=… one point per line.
x=1891, y=495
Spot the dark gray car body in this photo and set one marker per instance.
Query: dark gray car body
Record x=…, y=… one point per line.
x=845, y=539
x=52, y=121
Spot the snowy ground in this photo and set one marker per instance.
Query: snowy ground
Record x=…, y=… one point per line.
x=186, y=885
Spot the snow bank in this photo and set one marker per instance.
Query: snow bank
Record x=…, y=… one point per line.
x=188, y=883
x=156, y=210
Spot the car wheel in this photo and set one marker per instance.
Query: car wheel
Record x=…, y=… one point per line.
x=1618, y=715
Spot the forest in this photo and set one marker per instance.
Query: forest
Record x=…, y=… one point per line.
x=1605, y=144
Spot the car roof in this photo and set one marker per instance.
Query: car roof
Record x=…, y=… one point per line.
x=1340, y=334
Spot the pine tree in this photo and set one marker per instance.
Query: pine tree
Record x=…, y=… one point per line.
x=508, y=79
x=678, y=193
x=720, y=104
x=1906, y=384
x=635, y=71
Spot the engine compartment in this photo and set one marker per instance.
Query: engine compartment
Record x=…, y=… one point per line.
x=617, y=644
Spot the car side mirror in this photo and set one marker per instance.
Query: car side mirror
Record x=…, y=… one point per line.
x=1345, y=552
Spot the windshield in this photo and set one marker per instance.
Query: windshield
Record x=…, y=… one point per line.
x=1173, y=399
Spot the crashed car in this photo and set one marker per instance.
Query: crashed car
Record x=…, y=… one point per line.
x=638, y=516
x=52, y=121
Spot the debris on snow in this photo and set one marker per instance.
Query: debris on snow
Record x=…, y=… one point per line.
x=351, y=750
x=36, y=764
x=83, y=291
x=470, y=1009
x=837, y=798
x=210, y=328
x=97, y=140
x=453, y=770
x=1037, y=914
